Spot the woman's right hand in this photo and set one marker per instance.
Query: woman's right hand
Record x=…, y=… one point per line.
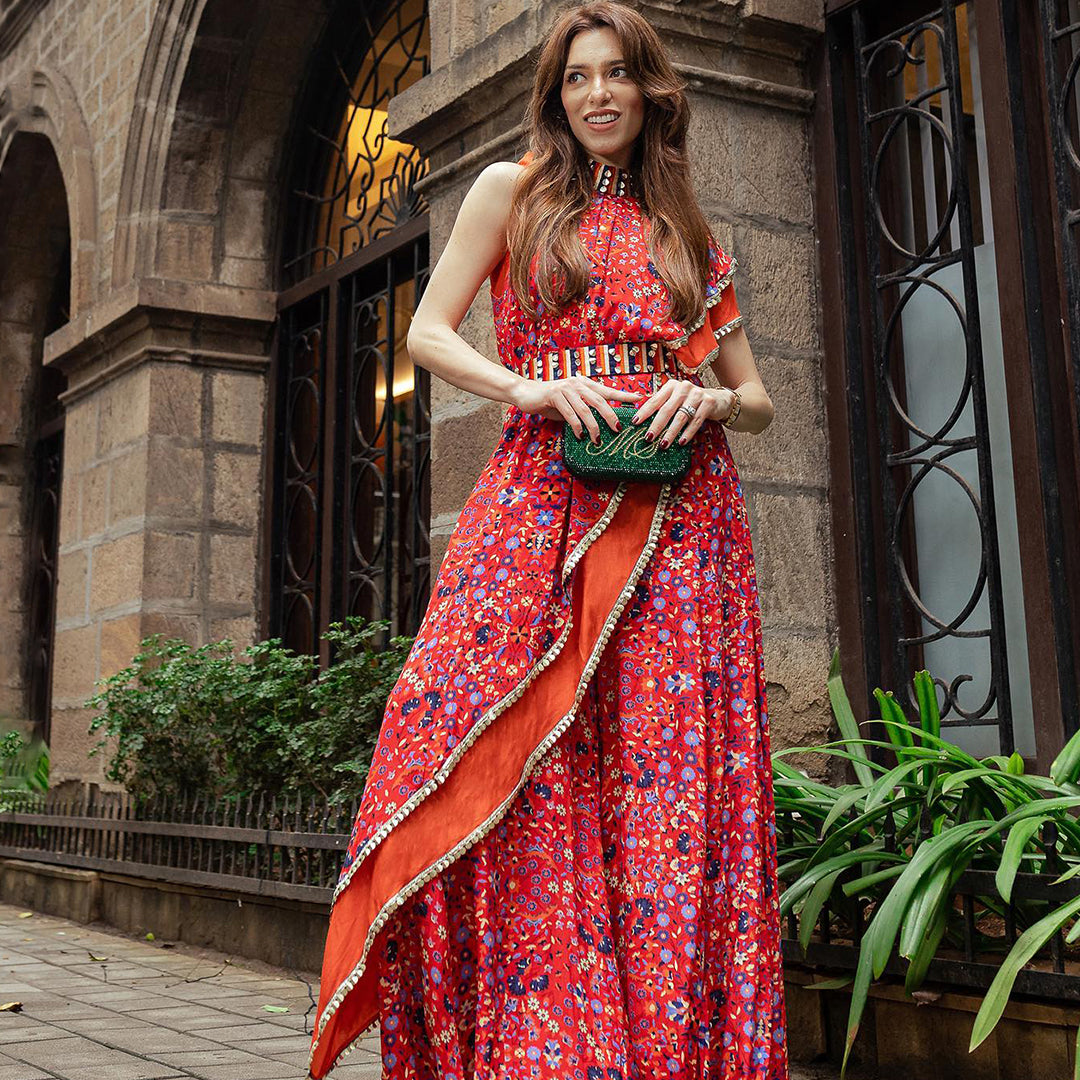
x=569, y=399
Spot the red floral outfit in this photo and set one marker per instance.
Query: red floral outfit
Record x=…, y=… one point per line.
x=564, y=862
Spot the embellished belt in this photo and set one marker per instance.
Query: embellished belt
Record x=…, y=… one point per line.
x=609, y=358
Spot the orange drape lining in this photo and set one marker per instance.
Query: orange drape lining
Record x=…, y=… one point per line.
x=483, y=779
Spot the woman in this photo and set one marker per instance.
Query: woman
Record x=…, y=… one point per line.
x=564, y=861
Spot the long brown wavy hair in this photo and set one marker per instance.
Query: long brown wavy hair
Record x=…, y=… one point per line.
x=554, y=191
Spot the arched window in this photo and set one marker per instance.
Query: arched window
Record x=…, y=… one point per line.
x=349, y=530
x=35, y=277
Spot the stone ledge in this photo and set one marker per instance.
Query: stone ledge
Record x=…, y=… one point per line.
x=165, y=321
x=195, y=300
x=55, y=890
x=286, y=933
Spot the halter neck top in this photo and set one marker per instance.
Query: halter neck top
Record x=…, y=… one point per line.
x=627, y=300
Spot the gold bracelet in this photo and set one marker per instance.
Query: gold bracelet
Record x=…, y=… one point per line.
x=736, y=407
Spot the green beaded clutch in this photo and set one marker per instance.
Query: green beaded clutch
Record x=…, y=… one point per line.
x=623, y=454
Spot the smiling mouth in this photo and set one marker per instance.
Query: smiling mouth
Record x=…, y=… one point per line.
x=601, y=120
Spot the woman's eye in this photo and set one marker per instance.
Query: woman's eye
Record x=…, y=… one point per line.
x=619, y=70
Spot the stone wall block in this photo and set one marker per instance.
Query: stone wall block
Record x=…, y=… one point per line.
x=248, y=217
x=1027, y=1050
x=174, y=482
x=11, y=501
x=80, y=435
x=70, y=747
x=242, y=632
x=16, y=344
x=917, y=1042
x=13, y=550
x=70, y=512
x=116, y=572
x=805, y=14
x=459, y=448
x=95, y=491
x=18, y=300
x=791, y=548
x=71, y=572
x=712, y=148
x=185, y=627
x=74, y=664
x=232, y=569
x=245, y=273
x=792, y=449
x=195, y=175
x=237, y=483
x=780, y=267
x=127, y=486
x=11, y=666
x=796, y=667
x=175, y=400
x=239, y=408
x=125, y=409
x=172, y=564
x=772, y=163
x=119, y=643
x=254, y=151
x=185, y=251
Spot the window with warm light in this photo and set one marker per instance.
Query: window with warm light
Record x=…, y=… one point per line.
x=348, y=532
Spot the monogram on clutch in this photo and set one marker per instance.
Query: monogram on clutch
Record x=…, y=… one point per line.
x=625, y=454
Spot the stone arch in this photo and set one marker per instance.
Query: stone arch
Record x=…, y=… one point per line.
x=203, y=164
x=36, y=294
x=45, y=104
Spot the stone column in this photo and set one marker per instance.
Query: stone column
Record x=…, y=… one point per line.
x=746, y=65
x=162, y=485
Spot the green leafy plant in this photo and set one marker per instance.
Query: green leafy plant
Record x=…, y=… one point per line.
x=886, y=851
x=266, y=721
x=24, y=766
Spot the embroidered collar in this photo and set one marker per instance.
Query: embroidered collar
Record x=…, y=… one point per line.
x=611, y=179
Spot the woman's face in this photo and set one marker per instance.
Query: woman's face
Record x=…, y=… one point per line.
x=603, y=104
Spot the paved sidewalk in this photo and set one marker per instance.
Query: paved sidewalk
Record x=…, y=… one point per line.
x=99, y=1005
x=144, y=1011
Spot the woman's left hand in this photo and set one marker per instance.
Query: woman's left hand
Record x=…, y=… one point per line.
x=672, y=421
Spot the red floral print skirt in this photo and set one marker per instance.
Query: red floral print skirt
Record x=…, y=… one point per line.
x=588, y=890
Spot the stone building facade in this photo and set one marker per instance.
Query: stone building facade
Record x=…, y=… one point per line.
x=165, y=216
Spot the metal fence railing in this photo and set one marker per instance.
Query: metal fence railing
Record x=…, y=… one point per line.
x=288, y=848
x=984, y=928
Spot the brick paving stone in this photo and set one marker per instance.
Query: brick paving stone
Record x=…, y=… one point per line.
x=44, y=1007
x=163, y=1014
x=357, y=1072
x=143, y=1013
x=152, y=1041
x=19, y=1031
x=241, y=1033
x=184, y=1016
x=20, y=1071
x=261, y=1070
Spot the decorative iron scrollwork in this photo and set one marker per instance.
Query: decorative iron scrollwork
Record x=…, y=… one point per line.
x=350, y=533
x=905, y=113
x=356, y=183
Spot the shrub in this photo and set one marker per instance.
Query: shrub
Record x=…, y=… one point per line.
x=265, y=722
x=24, y=766
x=888, y=849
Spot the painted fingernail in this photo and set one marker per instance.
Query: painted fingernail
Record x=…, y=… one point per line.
x=664, y=444
x=618, y=426
x=649, y=437
x=682, y=442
